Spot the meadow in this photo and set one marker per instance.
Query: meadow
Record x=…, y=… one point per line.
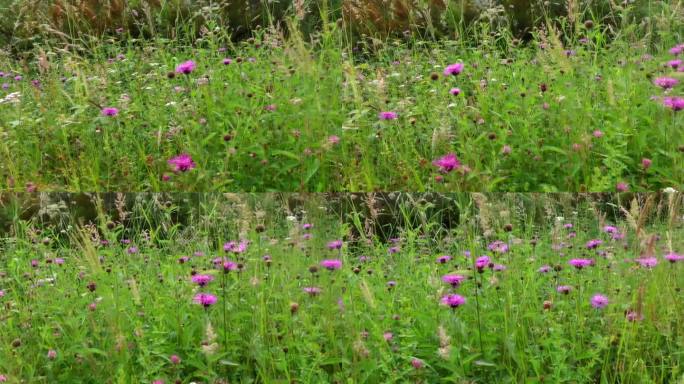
x=256, y=289
x=585, y=105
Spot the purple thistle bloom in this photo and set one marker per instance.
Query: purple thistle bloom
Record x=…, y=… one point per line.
x=447, y=163
x=674, y=103
x=393, y=250
x=482, y=262
x=544, y=269
x=455, y=91
x=599, y=301
x=453, y=69
x=499, y=267
x=312, y=291
x=665, y=82
x=610, y=229
x=388, y=115
x=335, y=244
x=186, y=67
x=673, y=257
x=443, y=259
x=331, y=264
x=498, y=247
x=647, y=262
x=677, y=49
x=227, y=61
x=391, y=284
x=202, y=280
x=132, y=250
x=307, y=226
x=453, y=300
x=632, y=315
x=229, y=266
x=567, y=225
x=109, y=111
x=593, y=244
x=182, y=163
x=674, y=63
x=205, y=299
x=581, y=263
x=564, y=289
x=453, y=280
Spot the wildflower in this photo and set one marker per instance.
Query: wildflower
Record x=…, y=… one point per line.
x=665, y=82
x=677, y=49
x=443, y=259
x=482, y=262
x=391, y=284
x=229, y=266
x=455, y=91
x=622, y=187
x=186, y=67
x=599, y=301
x=632, y=316
x=674, y=64
x=175, y=359
x=498, y=247
x=597, y=134
x=109, y=111
x=564, y=289
x=205, y=299
x=393, y=250
x=544, y=269
x=388, y=336
x=453, y=300
x=52, y=354
x=447, y=163
x=389, y=115
x=453, y=280
x=581, y=263
x=674, y=103
x=592, y=244
x=647, y=262
x=610, y=229
x=646, y=163
x=453, y=69
x=331, y=264
x=270, y=107
x=335, y=244
x=307, y=226
x=3, y=378
x=227, y=61
x=499, y=267
x=182, y=163
x=202, y=280
x=132, y=250
x=2, y=293
x=417, y=363
x=673, y=257
x=312, y=291
x=333, y=139
x=506, y=149
x=548, y=304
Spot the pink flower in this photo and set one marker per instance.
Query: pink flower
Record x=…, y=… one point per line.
x=331, y=264
x=312, y=291
x=599, y=301
x=52, y=354
x=175, y=359
x=202, y=280
x=597, y=134
x=186, y=67
x=447, y=163
x=388, y=115
x=109, y=111
x=674, y=63
x=182, y=163
x=453, y=280
x=453, y=69
x=673, y=257
x=581, y=263
x=646, y=163
x=453, y=301
x=227, y=61
x=674, y=103
x=417, y=363
x=622, y=187
x=205, y=299
x=647, y=262
x=665, y=82
x=334, y=140
x=455, y=91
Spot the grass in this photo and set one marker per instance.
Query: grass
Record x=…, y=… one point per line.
x=298, y=115
x=111, y=314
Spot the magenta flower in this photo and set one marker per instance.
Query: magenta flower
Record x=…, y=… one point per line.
x=175, y=359
x=482, y=262
x=647, y=262
x=312, y=291
x=610, y=229
x=205, y=299
x=333, y=139
x=564, y=289
x=335, y=244
x=227, y=61
x=388, y=115
x=447, y=163
x=632, y=315
x=673, y=257
x=453, y=69
x=544, y=269
x=592, y=244
x=453, y=280
x=331, y=264
x=443, y=259
x=674, y=103
x=52, y=354
x=455, y=91
x=622, y=187
x=677, y=49
x=674, y=63
x=182, y=163
x=453, y=300
x=132, y=250
x=186, y=67
x=665, y=82
x=229, y=266
x=109, y=111
x=646, y=163
x=202, y=280
x=581, y=263
x=307, y=226
x=599, y=301
x=498, y=246
x=417, y=363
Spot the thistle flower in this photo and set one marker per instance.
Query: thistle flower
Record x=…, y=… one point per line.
x=453, y=69
x=331, y=264
x=599, y=301
x=443, y=259
x=665, y=82
x=592, y=244
x=453, y=280
x=205, y=299
x=453, y=300
x=673, y=257
x=388, y=115
x=186, y=67
x=312, y=291
x=544, y=269
x=674, y=103
x=182, y=163
x=202, y=280
x=564, y=289
x=447, y=163
x=482, y=262
x=175, y=359
x=455, y=91
x=335, y=244
x=581, y=263
x=647, y=262
x=109, y=111
x=498, y=247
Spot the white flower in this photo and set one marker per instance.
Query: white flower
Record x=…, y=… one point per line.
x=669, y=190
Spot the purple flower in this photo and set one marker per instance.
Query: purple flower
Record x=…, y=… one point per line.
x=333, y=139
x=453, y=69
x=632, y=315
x=205, y=299
x=581, y=263
x=455, y=91
x=544, y=269
x=307, y=226
x=186, y=67
x=335, y=244
x=417, y=363
x=312, y=291
x=674, y=103
x=610, y=229
x=235, y=247
x=447, y=163
x=109, y=111
x=132, y=250
x=388, y=115
x=453, y=300
x=646, y=163
x=229, y=266
x=665, y=82
x=453, y=280
x=673, y=257
x=567, y=225
x=393, y=250
x=499, y=267
x=592, y=244
x=622, y=187
x=599, y=301
x=202, y=280
x=677, y=49
x=498, y=247
x=227, y=61
x=443, y=259
x=331, y=264
x=482, y=262
x=182, y=163
x=647, y=262
x=564, y=289
x=674, y=63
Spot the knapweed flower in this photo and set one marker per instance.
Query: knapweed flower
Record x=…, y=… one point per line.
x=673, y=257
x=52, y=354
x=677, y=49
x=453, y=300
x=229, y=266
x=175, y=359
x=447, y=163
x=647, y=262
x=307, y=226
x=597, y=133
x=335, y=244
x=388, y=336
x=202, y=280
x=632, y=315
x=665, y=82
x=132, y=250
x=564, y=289
x=205, y=299
x=646, y=163
x=443, y=259
x=227, y=61
x=674, y=103
x=544, y=269
x=610, y=229
x=333, y=139
x=417, y=363
x=393, y=250
x=482, y=262
x=109, y=111
x=388, y=115
x=622, y=187
x=182, y=163
x=599, y=301
x=498, y=247
x=453, y=280
x=674, y=64
x=312, y=291
x=581, y=263
x=499, y=267
x=455, y=91
x=453, y=69
x=594, y=243
x=186, y=67
x=331, y=264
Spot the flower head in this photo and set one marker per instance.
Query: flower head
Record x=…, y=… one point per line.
x=455, y=91
x=647, y=262
x=674, y=103
x=498, y=246
x=205, y=299
x=443, y=259
x=312, y=291
x=564, y=289
x=453, y=301
x=186, y=67
x=331, y=264
x=335, y=244
x=592, y=244
x=544, y=269
x=673, y=257
x=581, y=263
x=110, y=111
x=447, y=163
x=482, y=262
x=202, y=280
x=453, y=280
x=599, y=301
x=388, y=115
x=182, y=163
x=665, y=82
x=453, y=69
